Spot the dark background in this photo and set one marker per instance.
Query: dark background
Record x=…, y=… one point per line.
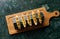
x=13, y=6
